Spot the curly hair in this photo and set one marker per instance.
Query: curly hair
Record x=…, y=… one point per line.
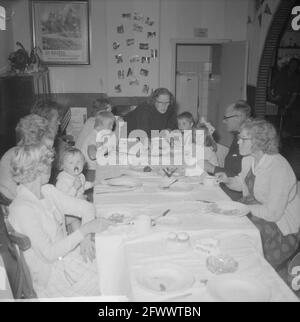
x=45, y=108
x=30, y=161
x=31, y=129
x=264, y=135
x=161, y=91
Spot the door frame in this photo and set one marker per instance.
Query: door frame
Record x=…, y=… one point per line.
x=186, y=41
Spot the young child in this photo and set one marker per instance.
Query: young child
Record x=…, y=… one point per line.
x=71, y=180
x=101, y=104
x=186, y=122
x=103, y=121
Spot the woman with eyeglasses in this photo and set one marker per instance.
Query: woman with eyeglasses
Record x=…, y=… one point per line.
x=158, y=113
x=269, y=187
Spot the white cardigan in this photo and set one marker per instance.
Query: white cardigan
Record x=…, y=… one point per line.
x=42, y=220
x=275, y=188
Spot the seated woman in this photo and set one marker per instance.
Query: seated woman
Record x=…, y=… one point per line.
x=51, y=111
x=31, y=129
x=158, y=113
x=56, y=266
x=269, y=187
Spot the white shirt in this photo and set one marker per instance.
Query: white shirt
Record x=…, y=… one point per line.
x=65, y=182
x=42, y=220
x=8, y=186
x=275, y=188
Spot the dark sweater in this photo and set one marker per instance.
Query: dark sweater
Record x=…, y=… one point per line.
x=146, y=117
x=233, y=160
x=232, y=167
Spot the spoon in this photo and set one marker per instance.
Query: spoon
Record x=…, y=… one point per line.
x=153, y=221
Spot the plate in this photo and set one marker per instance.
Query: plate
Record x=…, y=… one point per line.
x=104, y=188
x=236, y=288
x=123, y=181
x=164, y=278
x=228, y=208
x=118, y=215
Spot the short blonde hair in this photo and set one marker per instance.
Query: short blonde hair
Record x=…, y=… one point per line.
x=263, y=134
x=102, y=117
x=30, y=161
x=31, y=129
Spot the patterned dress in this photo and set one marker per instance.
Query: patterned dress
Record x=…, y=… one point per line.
x=277, y=247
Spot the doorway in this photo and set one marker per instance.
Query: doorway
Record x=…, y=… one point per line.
x=207, y=77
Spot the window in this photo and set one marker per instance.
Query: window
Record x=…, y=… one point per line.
x=2, y=18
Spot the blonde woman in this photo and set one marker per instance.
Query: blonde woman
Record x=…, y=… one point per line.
x=31, y=129
x=269, y=187
x=56, y=265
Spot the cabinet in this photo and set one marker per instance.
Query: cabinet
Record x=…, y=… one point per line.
x=18, y=93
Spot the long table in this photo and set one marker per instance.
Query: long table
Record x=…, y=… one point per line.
x=122, y=256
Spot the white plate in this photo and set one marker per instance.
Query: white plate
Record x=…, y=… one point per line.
x=228, y=208
x=124, y=181
x=104, y=188
x=235, y=288
x=117, y=214
x=164, y=278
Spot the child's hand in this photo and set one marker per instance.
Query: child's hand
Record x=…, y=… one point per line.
x=77, y=183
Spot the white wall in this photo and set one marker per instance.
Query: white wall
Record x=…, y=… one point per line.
x=225, y=19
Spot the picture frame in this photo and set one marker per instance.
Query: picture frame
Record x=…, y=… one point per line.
x=61, y=31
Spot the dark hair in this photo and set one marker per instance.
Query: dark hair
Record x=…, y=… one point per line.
x=161, y=91
x=244, y=107
x=100, y=104
x=186, y=115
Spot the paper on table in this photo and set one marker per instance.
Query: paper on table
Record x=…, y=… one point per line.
x=112, y=265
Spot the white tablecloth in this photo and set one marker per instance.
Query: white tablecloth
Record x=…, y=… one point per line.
x=121, y=253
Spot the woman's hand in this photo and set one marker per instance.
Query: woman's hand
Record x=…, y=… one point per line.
x=222, y=177
x=208, y=167
x=94, y=226
x=87, y=249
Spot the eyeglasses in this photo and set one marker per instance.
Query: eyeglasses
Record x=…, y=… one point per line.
x=243, y=139
x=162, y=103
x=229, y=117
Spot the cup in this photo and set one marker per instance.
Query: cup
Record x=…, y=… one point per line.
x=143, y=224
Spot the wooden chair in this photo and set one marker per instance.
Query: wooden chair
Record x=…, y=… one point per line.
x=12, y=246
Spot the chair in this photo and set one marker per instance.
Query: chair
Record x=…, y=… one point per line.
x=12, y=246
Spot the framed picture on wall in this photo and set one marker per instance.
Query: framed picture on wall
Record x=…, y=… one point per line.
x=61, y=31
